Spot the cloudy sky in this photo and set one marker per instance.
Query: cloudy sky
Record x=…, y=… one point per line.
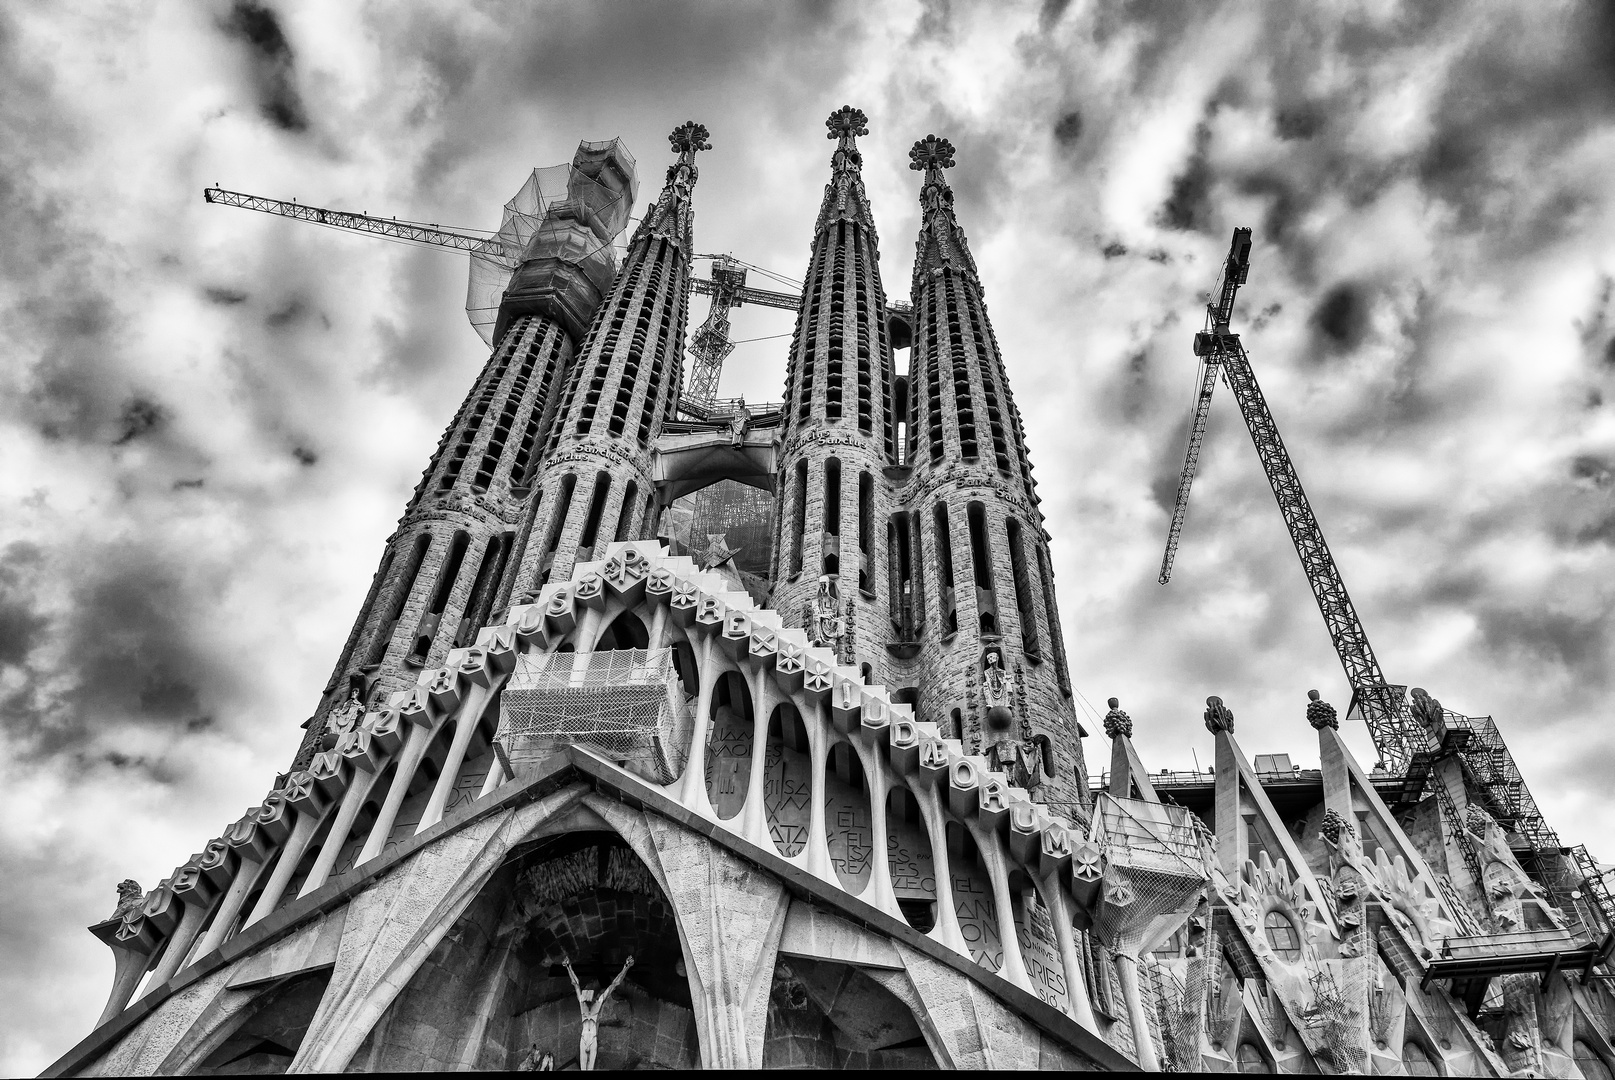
x=210, y=419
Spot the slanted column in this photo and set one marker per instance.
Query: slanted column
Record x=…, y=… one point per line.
x=1233, y=846
x=472, y=665
x=251, y=848
x=366, y=768
x=304, y=797
x=693, y=789
x=191, y=888
x=425, y=709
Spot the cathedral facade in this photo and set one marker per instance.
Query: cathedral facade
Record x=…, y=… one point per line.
x=587, y=790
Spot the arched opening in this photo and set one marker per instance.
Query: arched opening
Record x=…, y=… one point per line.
x=1248, y=1059
x=558, y=515
x=1592, y=1066
x=1282, y=936
x=583, y=899
x=846, y=817
x=266, y=1036
x=400, y=599
x=447, y=575
x=973, y=898
x=956, y=724
x=1418, y=1062
x=908, y=855
x=825, y=1015
x=626, y=631
x=866, y=526
x=491, y=568
x=729, y=745
x=788, y=787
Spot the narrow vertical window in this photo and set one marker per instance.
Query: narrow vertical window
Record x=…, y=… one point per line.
x=916, y=563
x=866, y=527
x=597, y=508
x=447, y=575
x=1056, y=638
x=981, y=563
x=482, y=590
x=1025, y=605
x=798, y=524
x=399, y=599
x=944, y=572
x=625, y=517
x=831, y=549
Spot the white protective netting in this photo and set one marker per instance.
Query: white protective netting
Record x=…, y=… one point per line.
x=1156, y=865
x=626, y=703
x=573, y=187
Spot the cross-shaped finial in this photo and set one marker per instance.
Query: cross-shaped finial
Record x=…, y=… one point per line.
x=689, y=137
x=931, y=153
x=847, y=121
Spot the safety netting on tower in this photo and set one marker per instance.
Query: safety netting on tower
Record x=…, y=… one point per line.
x=1157, y=863
x=626, y=703
x=541, y=213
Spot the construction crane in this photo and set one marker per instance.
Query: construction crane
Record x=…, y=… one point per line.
x=1397, y=736
x=709, y=345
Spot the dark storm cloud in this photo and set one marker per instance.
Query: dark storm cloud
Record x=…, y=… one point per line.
x=129, y=655
x=140, y=416
x=224, y=297
x=22, y=626
x=1188, y=207
x=1068, y=129
x=257, y=28
x=1341, y=316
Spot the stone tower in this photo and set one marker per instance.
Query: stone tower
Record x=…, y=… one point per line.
x=594, y=485
x=991, y=645
x=444, y=566
x=838, y=435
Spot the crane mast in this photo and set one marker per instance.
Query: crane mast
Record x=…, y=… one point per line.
x=1396, y=735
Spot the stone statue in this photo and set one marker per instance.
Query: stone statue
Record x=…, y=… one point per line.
x=589, y=1037
x=537, y=1061
x=995, y=689
x=825, y=627
x=739, y=421
x=130, y=898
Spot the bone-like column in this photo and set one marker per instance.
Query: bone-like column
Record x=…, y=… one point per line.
x=190, y=888
x=754, y=815
x=249, y=843
x=693, y=790
x=991, y=846
x=878, y=783
x=1144, y=1045
x=813, y=712
x=308, y=819
x=465, y=726
x=933, y=772
x=336, y=838
x=420, y=738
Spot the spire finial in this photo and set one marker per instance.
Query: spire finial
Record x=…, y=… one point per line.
x=1117, y=722
x=1219, y=717
x=846, y=123
x=931, y=155
x=1320, y=714
x=689, y=138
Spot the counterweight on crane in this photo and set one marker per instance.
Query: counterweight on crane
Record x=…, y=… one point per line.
x=1382, y=705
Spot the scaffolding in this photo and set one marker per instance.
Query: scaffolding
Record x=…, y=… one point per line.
x=551, y=198
x=626, y=703
x=1156, y=866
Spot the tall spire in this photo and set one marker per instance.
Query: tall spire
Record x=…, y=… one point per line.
x=672, y=219
x=844, y=196
x=941, y=243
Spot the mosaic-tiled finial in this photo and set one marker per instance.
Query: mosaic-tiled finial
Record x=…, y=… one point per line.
x=1117, y=723
x=688, y=138
x=847, y=122
x=1320, y=714
x=1219, y=717
x=1426, y=709
x=931, y=153
x=1334, y=825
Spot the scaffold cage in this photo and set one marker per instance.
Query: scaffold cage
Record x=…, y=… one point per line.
x=626, y=703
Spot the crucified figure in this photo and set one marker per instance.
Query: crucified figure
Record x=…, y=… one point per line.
x=589, y=1037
